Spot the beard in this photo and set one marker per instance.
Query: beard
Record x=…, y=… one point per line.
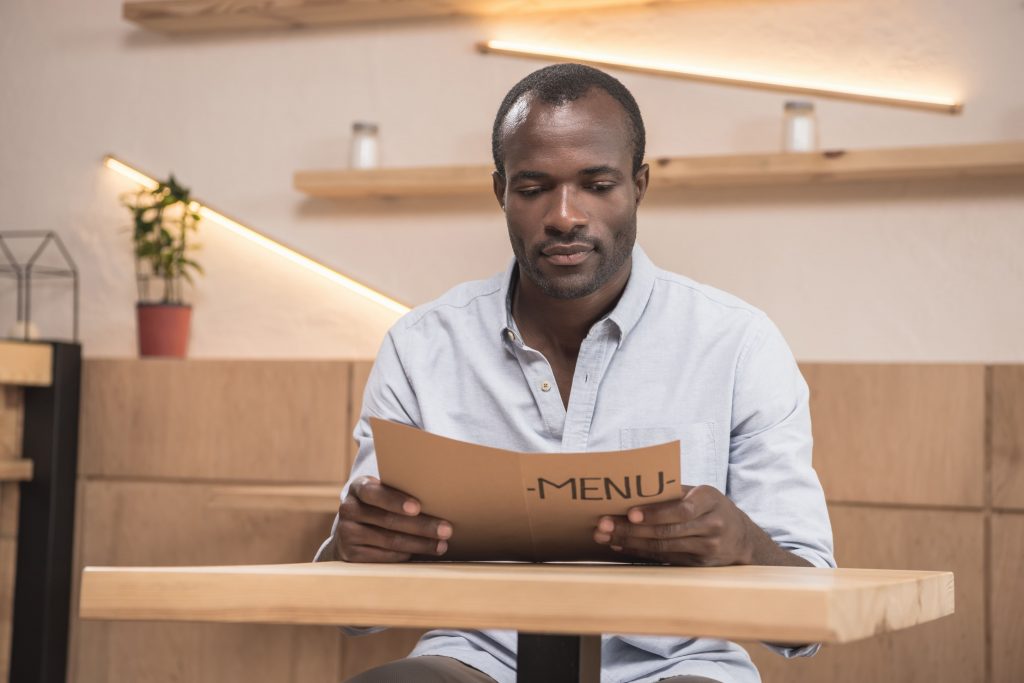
x=610, y=259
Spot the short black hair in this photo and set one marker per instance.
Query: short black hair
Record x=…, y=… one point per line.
x=559, y=84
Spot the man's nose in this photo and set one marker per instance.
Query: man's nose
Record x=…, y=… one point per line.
x=565, y=213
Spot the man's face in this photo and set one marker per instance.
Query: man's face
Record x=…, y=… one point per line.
x=569, y=194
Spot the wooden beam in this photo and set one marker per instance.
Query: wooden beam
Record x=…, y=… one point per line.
x=190, y=16
x=16, y=469
x=282, y=498
x=781, y=604
x=667, y=173
x=26, y=363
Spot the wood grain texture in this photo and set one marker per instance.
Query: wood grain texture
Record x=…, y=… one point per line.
x=360, y=374
x=8, y=558
x=185, y=16
x=11, y=417
x=1007, y=436
x=668, y=173
x=786, y=604
x=225, y=420
x=950, y=650
x=1007, y=597
x=207, y=653
x=26, y=363
x=909, y=434
x=170, y=523
x=9, y=499
x=18, y=469
x=278, y=497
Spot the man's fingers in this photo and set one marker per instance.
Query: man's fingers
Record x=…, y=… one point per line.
x=623, y=529
x=356, y=534
x=696, y=501
x=363, y=553
x=424, y=526
x=698, y=546
x=372, y=492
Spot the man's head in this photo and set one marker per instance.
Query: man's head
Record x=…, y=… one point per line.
x=568, y=147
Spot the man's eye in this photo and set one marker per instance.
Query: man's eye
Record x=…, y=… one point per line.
x=602, y=187
x=530, y=191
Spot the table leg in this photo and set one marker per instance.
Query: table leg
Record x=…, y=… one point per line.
x=544, y=658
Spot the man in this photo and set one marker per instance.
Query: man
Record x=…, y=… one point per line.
x=583, y=344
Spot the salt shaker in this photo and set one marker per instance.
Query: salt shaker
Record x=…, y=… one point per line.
x=799, y=127
x=364, y=152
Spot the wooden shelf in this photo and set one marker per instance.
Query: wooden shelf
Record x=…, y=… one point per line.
x=279, y=498
x=192, y=16
x=16, y=469
x=26, y=363
x=839, y=166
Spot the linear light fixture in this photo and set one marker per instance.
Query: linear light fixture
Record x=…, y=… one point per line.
x=943, y=104
x=259, y=238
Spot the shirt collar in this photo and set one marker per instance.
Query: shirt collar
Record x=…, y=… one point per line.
x=626, y=312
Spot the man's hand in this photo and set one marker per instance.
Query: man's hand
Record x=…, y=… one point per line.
x=380, y=524
x=703, y=528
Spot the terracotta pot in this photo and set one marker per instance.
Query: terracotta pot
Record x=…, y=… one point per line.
x=163, y=329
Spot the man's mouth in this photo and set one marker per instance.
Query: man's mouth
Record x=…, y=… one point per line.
x=567, y=254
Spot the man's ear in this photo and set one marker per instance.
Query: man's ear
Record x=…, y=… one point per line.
x=499, y=183
x=641, y=180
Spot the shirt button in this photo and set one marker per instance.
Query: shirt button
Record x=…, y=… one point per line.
x=510, y=335
x=545, y=386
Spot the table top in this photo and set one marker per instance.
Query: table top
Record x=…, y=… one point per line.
x=779, y=604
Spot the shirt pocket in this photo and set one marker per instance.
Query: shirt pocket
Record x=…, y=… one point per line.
x=699, y=461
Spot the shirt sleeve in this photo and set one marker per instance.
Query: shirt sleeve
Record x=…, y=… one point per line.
x=388, y=396
x=770, y=473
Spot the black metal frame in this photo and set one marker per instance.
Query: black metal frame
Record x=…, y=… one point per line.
x=544, y=658
x=46, y=521
x=23, y=273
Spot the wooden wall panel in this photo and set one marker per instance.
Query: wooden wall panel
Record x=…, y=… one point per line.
x=360, y=373
x=10, y=494
x=11, y=430
x=909, y=434
x=146, y=523
x=1007, y=442
x=11, y=407
x=1007, y=598
x=949, y=650
x=8, y=557
x=169, y=523
x=241, y=420
x=206, y=653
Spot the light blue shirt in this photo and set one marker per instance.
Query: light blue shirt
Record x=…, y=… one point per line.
x=674, y=360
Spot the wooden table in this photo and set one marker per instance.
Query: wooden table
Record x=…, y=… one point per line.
x=777, y=604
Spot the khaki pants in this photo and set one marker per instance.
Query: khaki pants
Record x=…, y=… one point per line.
x=434, y=669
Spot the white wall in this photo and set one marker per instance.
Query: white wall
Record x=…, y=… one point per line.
x=925, y=271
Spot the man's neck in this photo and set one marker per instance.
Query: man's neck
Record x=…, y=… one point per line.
x=562, y=324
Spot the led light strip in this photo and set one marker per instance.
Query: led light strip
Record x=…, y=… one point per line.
x=259, y=238
x=505, y=47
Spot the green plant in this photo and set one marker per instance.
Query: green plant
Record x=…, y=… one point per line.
x=163, y=218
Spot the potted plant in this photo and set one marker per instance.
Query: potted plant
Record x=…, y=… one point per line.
x=163, y=218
